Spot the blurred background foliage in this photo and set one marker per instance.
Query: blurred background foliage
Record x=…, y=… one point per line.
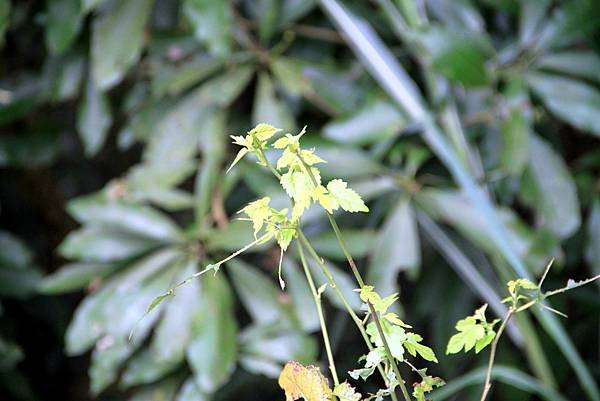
x=470, y=127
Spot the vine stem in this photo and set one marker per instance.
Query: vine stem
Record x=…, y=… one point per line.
x=488, y=376
x=317, y=298
x=358, y=278
x=361, y=283
x=359, y=324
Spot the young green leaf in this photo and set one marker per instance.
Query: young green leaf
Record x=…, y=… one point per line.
x=263, y=131
x=474, y=331
x=349, y=200
x=258, y=211
x=413, y=346
x=426, y=385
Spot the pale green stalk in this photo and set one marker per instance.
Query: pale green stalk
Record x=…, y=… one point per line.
x=359, y=280
x=361, y=284
x=355, y=318
x=488, y=376
x=317, y=298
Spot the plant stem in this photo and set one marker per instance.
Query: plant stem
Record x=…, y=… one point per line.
x=341, y=296
x=361, y=283
x=357, y=276
x=488, y=377
x=317, y=299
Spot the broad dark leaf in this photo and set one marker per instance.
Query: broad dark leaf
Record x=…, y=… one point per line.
x=93, y=119
x=62, y=25
x=397, y=248
x=572, y=101
x=212, y=352
x=117, y=39
x=211, y=21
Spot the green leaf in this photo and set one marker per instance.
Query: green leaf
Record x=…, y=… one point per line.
x=176, y=136
x=349, y=200
x=103, y=245
x=93, y=119
x=300, y=295
x=15, y=253
x=148, y=176
x=225, y=88
x=456, y=209
x=375, y=122
x=264, y=348
x=577, y=63
x=345, y=392
x=140, y=220
x=161, y=391
x=473, y=331
x=346, y=162
x=413, y=346
x=174, y=80
x=572, y=101
x=592, y=249
x=10, y=354
x=425, y=386
x=555, y=195
x=189, y=391
x=168, y=199
x=515, y=142
x=117, y=40
x=114, y=348
x=397, y=248
x=268, y=108
x=258, y=211
x=173, y=333
x=4, y=19
x=381, y=64
x=361, y=241
x=211, y=21
x=289, y=74
x=213, y=350
x=260, y=295
x=67, y=78
x=459, y=55
x=95, y=315
x=338, y=91
x=298, y=184
x=292, y=10
x=74, y=276
x=29, y=149
x=89, y=5
x=147, y=367
x=531, y=15
x=19, y=283
x=62, y=25
x=504, y=374
x=233, y=237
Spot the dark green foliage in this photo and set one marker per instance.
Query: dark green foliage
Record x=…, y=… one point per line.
x=472, y=135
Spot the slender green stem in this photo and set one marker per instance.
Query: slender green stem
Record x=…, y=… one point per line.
x=359, y=324
x=361, y=284
x=317, y=299
x=488, y=376
x=357, y=276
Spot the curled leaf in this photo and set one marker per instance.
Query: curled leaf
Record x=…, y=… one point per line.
x=299, y=381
